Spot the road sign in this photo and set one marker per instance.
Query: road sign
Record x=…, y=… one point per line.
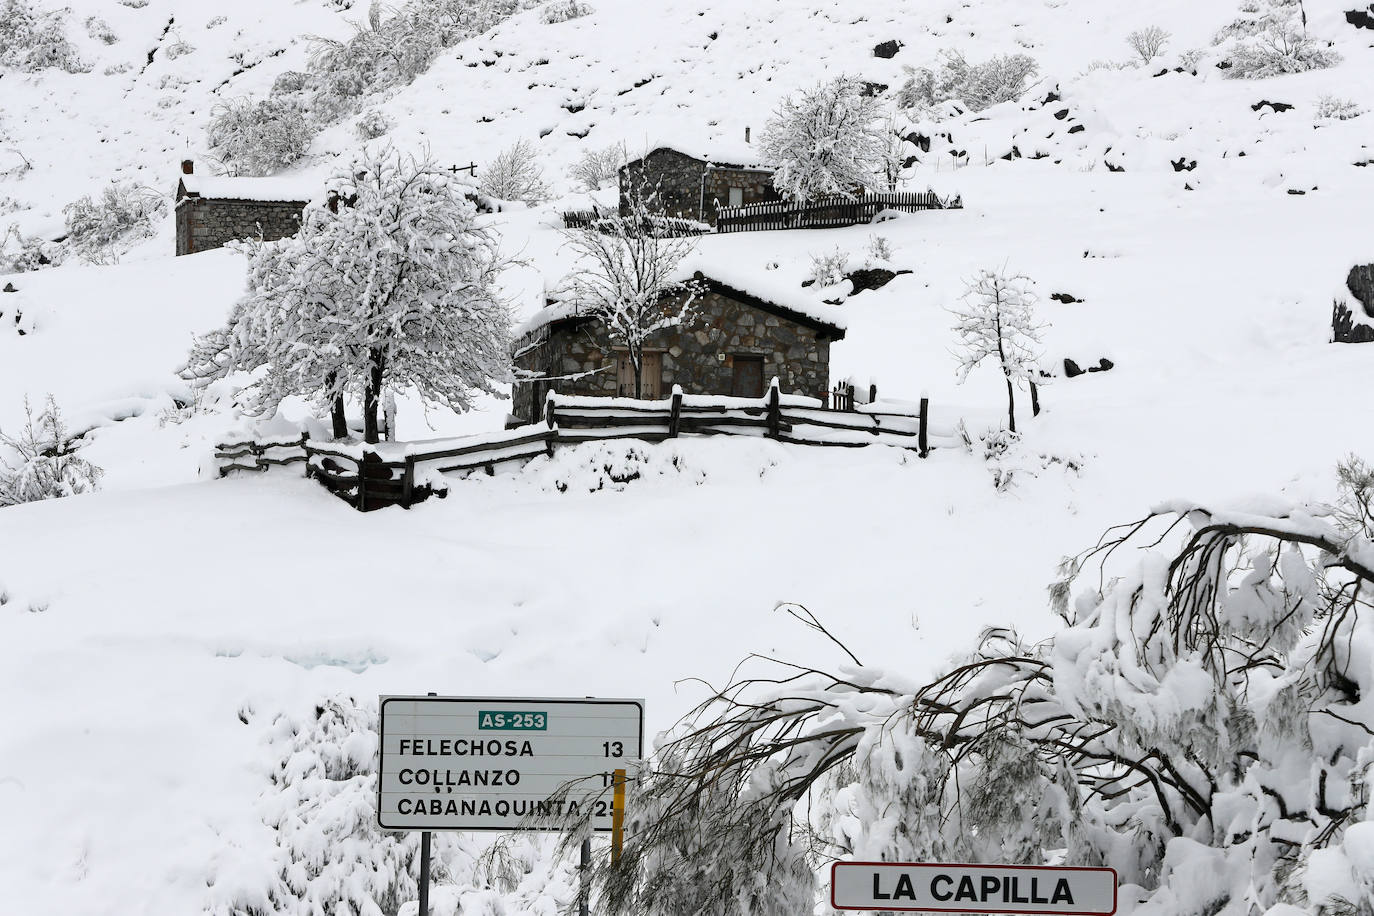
x=938, y=888
x=462, y=763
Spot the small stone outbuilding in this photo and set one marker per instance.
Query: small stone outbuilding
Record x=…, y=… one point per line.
x=734, y=344
x=695, y=186
x=212, y=211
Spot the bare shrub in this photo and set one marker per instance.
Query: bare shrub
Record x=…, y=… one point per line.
x=597, y=168
x=515, y=174
x=373, y=124
x=879, y=248
x=1148, y=42
x=1280, y=48
x=828, y=269
x=100, y=30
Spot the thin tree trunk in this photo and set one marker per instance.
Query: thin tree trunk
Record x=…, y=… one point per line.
x=637, y=362
x=336, y=407
x=1011, y=403
x=372, y=396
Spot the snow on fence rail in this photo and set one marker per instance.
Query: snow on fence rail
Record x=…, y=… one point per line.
x=373, y=476
x=828, y=212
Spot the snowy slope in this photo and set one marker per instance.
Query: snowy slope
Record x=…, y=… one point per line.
x=136, y=625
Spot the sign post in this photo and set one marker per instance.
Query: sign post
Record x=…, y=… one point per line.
x=942, y=888
x=505, y=763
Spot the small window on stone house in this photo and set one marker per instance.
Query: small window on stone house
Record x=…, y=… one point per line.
x=736, y=197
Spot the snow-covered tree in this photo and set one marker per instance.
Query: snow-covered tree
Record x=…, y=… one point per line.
x=1199, y=725
x=41, y=461
x=995, y=319
x=597, y=168
x=124, y=212
x=625, y=277
x=32, y=39
x=393, y=288
x=830, y=140
x=1270, y=38
x=515, y=174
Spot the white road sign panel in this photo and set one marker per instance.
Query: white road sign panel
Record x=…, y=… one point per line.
x=463, y=763
x=940, y=888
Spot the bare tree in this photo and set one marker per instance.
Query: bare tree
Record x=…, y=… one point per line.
x=625, y=277
x=596, y=168
x=1147, y=42
x=515, y=174
x=996, y=318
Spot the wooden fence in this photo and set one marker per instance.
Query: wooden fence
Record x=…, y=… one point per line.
x=662, y=226
x=389, y=474
x=827, y=213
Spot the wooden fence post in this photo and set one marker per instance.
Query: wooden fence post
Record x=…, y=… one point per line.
x=362, y=482
x=921, y=441
x=550, y=406
x=305, y=450
x=774, y=409
x=408, y=481
x=675, y=416
x=872, y=392
x=1035, y=400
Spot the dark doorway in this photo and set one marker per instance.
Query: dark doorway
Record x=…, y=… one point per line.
x=748, y=381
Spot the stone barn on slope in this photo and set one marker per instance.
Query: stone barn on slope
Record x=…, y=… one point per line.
x=734, y=344
x=214, y=210
x=692, y=186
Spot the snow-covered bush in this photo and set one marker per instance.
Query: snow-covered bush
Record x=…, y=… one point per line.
x=178, y=48
x=1200, y=724
x=597, y=168
x=829, y=268
x=328, y=854
x=100, y=30
x=96, y=228
x=258, y=138
x=32, y=40
x=1001, y=78
x=516, y=175
x=1148, y=42
x=879, y=248
x=1270, y=38
x=373, y=124
x=563, y=10
x=20, y=253
x=829, y=140
x=41, y=460
x=1333, y=108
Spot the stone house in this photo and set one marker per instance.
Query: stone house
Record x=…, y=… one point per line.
x=214, y=210
x=697, y=186
x=734, y=343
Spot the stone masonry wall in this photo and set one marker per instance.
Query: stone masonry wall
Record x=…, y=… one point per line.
x=757, y=185
x=691, y=355
x=205, y=224
x=677, y=177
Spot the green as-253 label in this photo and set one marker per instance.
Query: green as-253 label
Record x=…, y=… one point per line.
x=513, y=721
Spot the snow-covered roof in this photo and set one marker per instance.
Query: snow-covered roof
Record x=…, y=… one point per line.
x=222, y=187
x=722, y=153
x=780, y=299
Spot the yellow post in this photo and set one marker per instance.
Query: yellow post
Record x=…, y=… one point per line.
x=618, y=817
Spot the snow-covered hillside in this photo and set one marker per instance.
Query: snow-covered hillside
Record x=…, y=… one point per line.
x=158, y=640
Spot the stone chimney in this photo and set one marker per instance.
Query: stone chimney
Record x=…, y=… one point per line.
x=188, y=167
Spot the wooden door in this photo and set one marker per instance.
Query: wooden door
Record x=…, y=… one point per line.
x=748, y=379
x=651, y=377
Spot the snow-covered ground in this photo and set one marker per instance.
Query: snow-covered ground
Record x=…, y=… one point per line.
x=139, y=623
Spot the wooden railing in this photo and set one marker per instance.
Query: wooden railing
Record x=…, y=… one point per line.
x=373, y=476
x=828, y=212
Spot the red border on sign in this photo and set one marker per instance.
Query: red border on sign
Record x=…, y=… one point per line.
x=981, y=909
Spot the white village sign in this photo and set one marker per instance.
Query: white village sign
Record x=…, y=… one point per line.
x=937, y=888
x=458, y=763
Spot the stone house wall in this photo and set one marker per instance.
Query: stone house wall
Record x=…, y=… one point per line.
x=756, y=184
x=203, y=224
x=677, y=177
x=798, y=355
